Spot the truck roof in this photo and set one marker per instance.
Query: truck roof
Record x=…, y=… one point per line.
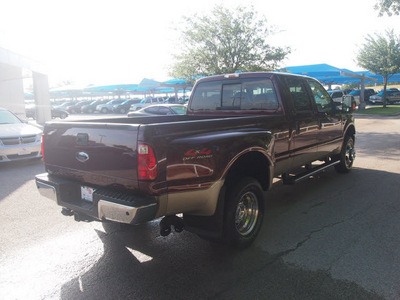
x=248, y=75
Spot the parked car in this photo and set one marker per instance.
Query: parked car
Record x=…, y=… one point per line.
x=107, y=107
x=390, y=89
x=392, y=96
x=58, y=113
x=125, y=106
x=64, y=105
x=337, y=95
x=91, y=107
x=146, y=102
x=183, y=100
x=76, y=108
x=171, y=100
x=55, y=112
x=160, y=110
x=367, y=93
x=18, y=139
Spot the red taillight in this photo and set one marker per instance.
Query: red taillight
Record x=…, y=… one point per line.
x=42, y=147
x=147, y=164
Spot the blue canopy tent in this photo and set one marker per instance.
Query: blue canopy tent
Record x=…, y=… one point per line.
x=179, y=85
x=172, y=85
x=69, y=91
x=329, y=75
x=379, y=78
x=324, y=73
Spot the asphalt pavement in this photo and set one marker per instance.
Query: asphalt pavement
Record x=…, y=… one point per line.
x=332, y=236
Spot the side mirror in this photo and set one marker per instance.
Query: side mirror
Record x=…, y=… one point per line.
x=348, y=103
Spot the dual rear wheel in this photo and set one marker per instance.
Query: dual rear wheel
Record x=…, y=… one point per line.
x=244, y=211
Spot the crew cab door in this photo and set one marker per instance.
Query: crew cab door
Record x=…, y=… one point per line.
x=305, y=124
x=329, y=120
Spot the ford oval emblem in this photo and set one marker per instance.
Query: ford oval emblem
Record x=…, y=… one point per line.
x=82, y=156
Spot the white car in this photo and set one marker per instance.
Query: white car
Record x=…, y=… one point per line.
x=18, y=140
x=146, y=102
x=337, y=95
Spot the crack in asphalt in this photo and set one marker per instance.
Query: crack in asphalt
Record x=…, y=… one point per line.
x=278, y=256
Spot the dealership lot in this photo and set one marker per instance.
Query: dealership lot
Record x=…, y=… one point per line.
x=330, y=237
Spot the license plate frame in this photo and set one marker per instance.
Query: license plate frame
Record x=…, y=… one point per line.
x=87, y=193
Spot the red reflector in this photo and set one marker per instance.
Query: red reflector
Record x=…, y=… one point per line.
x=42, y=147
x=147, y=164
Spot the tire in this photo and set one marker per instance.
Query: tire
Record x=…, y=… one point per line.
x=63, y=115
x=122, y=111
x=90, y=111
x=347, y=155
x=104, y=110
x=244, y=210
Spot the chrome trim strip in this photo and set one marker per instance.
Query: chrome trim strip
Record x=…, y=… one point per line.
x=47, y=190
x=118, y=212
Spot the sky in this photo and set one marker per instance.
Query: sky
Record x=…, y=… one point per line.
x=123, y=41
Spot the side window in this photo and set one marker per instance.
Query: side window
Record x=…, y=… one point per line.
x=152, y=110
x=164, y=111
x=301, y=100
x=321, y=96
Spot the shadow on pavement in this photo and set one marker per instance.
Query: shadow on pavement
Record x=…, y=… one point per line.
x=140, y=264
x=14, y=174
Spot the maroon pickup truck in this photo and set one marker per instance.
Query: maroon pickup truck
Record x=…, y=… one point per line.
x=212, y=165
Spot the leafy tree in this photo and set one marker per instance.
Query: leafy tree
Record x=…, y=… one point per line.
x=381, y=56
x=389, y=7
x=225, y=41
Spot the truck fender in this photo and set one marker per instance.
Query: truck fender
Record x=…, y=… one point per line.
x=252, y=162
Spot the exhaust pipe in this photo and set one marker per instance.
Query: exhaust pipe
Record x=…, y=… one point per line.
x=82, y=218
x=167, y=222
x=67, y=212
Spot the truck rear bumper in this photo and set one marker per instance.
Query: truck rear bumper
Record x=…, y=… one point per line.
x=105, y=205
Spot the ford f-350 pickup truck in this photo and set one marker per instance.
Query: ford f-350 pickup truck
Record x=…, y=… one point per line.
x=212, y=165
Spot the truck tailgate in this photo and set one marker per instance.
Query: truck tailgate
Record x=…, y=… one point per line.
x=92, y=153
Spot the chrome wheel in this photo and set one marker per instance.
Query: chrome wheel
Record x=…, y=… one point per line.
x=246, y=213
x=347, y=156
x=350, y=154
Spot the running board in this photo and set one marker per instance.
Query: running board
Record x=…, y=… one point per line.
x=304, y=175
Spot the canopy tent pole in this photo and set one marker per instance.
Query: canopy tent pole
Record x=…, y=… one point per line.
x=362, y=77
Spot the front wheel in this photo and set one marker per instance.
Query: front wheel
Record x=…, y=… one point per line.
x=243, y=212
x=347, y=155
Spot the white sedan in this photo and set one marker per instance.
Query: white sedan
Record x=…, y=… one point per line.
x=18, y=140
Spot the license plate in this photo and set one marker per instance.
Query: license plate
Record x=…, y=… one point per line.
x=87, y=193
x=23, y=151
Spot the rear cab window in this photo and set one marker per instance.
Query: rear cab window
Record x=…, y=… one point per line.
x=247, y=94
